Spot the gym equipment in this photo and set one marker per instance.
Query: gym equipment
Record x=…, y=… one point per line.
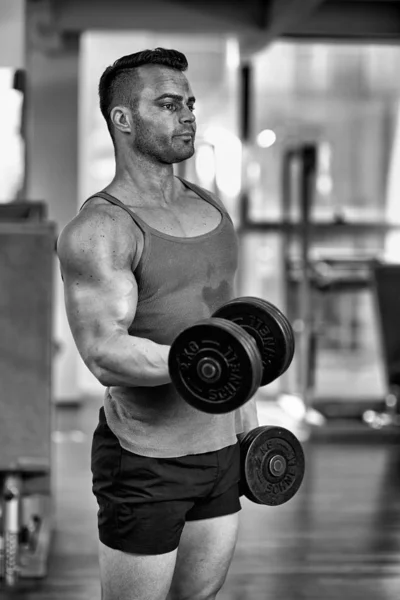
x=27, y=243
x=215, y=366
x=386, y=295
x=26, y=525
x=219, y=363
x=272, y=465
x=270, y=329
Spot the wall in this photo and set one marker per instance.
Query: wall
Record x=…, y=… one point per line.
x=12, y=33
x=51, y=168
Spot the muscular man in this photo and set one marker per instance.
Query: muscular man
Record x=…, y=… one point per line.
x=145, y=258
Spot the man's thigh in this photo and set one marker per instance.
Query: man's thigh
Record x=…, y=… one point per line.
x=205, y=553
x=196, y=571
x=208, y=539
x=126, y=576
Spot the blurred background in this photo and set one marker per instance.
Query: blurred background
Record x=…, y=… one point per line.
x=298, y=118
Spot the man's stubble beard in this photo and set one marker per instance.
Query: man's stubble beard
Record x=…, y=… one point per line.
x=159, y=148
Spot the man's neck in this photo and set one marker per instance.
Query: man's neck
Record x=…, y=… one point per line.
x=150, y=183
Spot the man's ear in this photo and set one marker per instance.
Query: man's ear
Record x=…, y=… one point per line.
x=121, y=119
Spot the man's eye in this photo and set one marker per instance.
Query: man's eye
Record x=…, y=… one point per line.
x=169, y=106
x=191, y=108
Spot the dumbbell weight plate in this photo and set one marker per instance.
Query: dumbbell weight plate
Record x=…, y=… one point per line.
x=272, y=465
x=215, y=366
x=270, y=329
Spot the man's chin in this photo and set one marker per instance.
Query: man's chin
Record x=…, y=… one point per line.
x=183, y=155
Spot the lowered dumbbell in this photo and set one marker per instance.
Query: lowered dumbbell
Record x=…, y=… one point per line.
x=219, y=363
x=272, y=465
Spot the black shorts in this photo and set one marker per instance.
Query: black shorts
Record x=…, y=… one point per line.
x=144, y=502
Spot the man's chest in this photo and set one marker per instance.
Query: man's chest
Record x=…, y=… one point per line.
x=190, y=216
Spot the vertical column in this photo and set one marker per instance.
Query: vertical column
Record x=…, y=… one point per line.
x=245, y=134
x=51, y=117
x=308, y=156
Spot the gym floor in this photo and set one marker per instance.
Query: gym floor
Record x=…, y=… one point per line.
x=338, y=538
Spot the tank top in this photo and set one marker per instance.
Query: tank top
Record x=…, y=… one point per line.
x=180, y=281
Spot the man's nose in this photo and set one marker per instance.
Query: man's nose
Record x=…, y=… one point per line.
x=187, y=116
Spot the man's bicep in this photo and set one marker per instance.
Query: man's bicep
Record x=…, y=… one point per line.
x=100, y=292
x=98, y=311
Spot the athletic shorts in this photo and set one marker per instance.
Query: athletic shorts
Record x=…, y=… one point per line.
x=144, y=502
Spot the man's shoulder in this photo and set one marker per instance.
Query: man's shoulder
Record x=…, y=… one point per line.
x=97, y=224
x=207, y=193
x=95, y=214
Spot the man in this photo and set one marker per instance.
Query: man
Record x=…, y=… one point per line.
x=143, y=260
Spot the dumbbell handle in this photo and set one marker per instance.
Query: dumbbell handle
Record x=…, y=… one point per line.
x=215, y=366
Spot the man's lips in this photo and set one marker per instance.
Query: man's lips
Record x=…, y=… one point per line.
x=185, y=134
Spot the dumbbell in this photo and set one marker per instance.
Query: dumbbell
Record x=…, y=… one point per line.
x=219, y=363
x=272, y=465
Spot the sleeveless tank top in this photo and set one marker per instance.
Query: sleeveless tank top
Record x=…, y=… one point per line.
x=180, y=281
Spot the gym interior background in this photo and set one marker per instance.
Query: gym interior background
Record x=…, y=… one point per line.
x=276, y=84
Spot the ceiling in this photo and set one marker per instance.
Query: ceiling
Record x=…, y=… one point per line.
x=255, y=22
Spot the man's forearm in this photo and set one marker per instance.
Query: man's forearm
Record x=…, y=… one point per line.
x=130, y=361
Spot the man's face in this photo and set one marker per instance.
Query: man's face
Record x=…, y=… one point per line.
x=164, y=124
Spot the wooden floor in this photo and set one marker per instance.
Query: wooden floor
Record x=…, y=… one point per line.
x=338, y=539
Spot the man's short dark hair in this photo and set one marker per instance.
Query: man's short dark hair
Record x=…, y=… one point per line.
x=115, y=85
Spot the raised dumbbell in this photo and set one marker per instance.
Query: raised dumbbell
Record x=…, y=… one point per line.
x=270, y=329
x=272, y=465
x=219, y=363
